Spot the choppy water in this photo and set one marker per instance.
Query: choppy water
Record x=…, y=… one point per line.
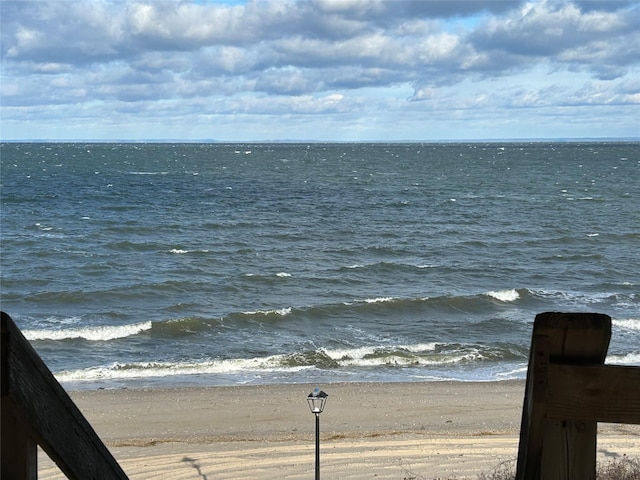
x=211, y=264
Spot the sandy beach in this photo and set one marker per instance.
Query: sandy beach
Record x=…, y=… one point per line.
x=368, y=430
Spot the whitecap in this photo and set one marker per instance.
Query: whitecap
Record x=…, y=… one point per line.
x=360, y=354
x=626, y=359
x=420, y=347
x=378, y=300
x=93, y=333
x=278, y=311
x=627, y=324
x=348, y=353
x=130, y=370
x=505, y=295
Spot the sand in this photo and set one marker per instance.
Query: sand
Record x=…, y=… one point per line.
x=368, y=430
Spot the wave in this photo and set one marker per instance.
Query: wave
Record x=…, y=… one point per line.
x=379, y=300
x=120, y=370
x=485, y=310
x=385, y=267
x=180, y=251
x=624, y=359
x=367, y=357
x=580, y=299
x=387, y=307
x=505, y=295
x=267, y=313
x=627, y=324
x=266, y=279
x=93, y=333
x=483, y=302
x=427, y=354
x=351, y=356
x=130, y=246
x=520, y=372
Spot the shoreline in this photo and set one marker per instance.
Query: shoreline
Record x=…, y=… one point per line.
x=386, y=430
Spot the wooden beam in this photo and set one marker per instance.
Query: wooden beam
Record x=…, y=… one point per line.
x=561, y=448
x=602, y=393
x=48, y=414
x=581, y=338
x=18, y=451
x=533, y=411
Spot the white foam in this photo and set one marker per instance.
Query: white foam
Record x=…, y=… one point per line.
x=359, y=353
x=399, y=360
x=278, y=311
x=627, y=359
x=378, y=300
x=420, y=347
x=366, y=357
x=93, y=333
x=344, y=353
x=515, y=373
x=627, y=324
x=505, y=295
x=283, y=274
x=164, y=369
x=179, y=251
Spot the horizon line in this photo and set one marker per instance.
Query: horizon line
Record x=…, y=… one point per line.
x=296, y=141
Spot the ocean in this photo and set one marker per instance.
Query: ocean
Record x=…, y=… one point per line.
x=170, y=265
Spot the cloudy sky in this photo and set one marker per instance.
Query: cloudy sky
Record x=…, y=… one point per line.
x=344, y=70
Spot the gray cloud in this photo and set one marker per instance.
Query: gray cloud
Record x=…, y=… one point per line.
x=322, y=53
x=541, y=30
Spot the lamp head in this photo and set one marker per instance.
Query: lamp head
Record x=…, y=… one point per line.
x=316, y=400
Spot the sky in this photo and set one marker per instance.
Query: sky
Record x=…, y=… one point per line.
x=319, y=70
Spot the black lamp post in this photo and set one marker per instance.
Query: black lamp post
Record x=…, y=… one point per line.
x=316, y=400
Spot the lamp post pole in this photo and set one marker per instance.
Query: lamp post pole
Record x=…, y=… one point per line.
x=316, y=400
x=317, y=446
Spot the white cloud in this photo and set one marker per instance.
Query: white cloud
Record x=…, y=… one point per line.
x=319, y=69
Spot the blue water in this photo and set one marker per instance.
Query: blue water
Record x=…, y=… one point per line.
x=212, y=264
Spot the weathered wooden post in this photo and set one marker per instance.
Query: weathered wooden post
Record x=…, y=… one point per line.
x=561, y=448
x=37, y=411
x=569, y=390
x=18, y=451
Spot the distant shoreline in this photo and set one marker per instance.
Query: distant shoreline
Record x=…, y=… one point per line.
x=347, y=142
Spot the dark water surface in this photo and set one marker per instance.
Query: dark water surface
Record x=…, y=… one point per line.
x=212, y=264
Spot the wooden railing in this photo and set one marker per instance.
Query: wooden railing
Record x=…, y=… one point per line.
x=37, y=411
x=569, y=390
